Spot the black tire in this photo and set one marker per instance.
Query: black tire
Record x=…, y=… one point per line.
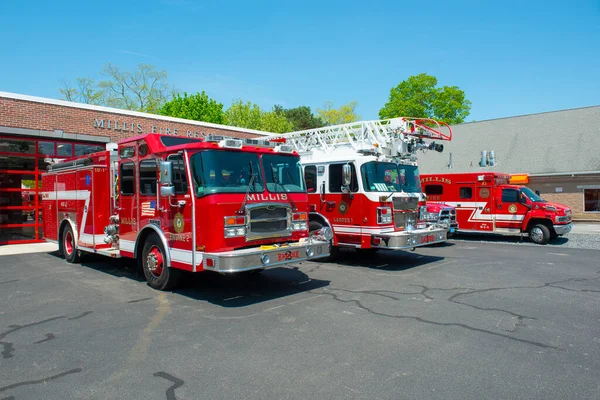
x=334, y=252
x=539, y=233
x=68, y=245
x=158, y=275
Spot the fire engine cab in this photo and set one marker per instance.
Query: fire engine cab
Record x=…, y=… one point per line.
x=363, y=182
x=487, y=202
x=176, y=203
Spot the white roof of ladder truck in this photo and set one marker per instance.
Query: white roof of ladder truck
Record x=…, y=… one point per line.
x=345, y=142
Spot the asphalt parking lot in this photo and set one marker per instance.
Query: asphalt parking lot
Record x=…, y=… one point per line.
x=466, y=320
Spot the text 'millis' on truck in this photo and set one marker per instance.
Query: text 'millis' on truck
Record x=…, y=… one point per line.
x=488, y=202
x=363, y=182
x=176, y=203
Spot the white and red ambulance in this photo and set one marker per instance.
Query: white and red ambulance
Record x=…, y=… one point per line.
x=487, y=202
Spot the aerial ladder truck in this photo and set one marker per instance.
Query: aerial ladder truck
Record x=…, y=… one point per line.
x=363, y=182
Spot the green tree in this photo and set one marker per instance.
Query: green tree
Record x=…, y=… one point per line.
x=301, y=118
x=144, y=89
x=85, y=91
x=198, y=107
x=276, y=122
x=243, y=115
x=419, y=96
x=335, y=116
x=249, y=115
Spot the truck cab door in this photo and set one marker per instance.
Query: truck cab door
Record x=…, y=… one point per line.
x=176, y=214
x=340, y=206
x=510, y=212
x=126, y=192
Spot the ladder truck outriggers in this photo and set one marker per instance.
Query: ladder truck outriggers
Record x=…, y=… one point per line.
x=181, y=204
x=363, y=181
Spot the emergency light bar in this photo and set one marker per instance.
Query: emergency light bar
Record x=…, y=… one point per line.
x=284, y=148
x=231, y=143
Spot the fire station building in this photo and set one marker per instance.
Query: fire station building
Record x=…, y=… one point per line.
x=556, y=153
x=35, y=131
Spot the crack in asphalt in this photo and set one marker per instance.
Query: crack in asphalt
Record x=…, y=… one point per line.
x=80, y=316
x=42, y=380
x=14, y=280
x=8, y=347
x=49, y=336
x=176, y=383
x=138, y=300
x=456, y=324
x=454, y=299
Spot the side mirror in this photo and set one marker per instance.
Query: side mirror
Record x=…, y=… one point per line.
x=166, y=191
x=346, y=178
x=166, y=173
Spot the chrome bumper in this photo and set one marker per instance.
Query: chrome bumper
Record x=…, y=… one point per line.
x=562, y=229
x=407, y=240
x=265, y=257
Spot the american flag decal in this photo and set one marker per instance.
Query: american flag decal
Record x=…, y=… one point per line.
x=149, y=208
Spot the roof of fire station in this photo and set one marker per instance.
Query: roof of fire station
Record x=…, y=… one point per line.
x=565, y=142
x=61, y=119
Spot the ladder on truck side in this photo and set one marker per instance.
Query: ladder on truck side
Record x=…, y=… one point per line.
x=395, y=137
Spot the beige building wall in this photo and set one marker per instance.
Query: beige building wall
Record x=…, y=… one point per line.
x=568, y=191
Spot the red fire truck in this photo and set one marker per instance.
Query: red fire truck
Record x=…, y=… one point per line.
x=176, y=203
x=363, y=182
x=487, y=202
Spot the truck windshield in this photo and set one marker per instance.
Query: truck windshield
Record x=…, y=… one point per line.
x=390, y=177
x=531, y=195
x=226, y=172
x=283, y=173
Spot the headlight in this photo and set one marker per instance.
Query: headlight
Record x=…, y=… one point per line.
x=235, y=231
x=563, y=218
x=429, y=217
x=384, y=215
x=299, y=226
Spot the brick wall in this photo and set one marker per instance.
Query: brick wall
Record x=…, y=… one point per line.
x=571, y=195
x=16, y=113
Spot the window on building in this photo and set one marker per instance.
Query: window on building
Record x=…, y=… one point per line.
x=127, y=181
x=83, y=149
x=179, y=179
x=64, y=149
x=591, y=198
x=17, y=146
x=510, y=196
x=310, y=176
x=46, y=148
x=148, y=177
x=466, y=193
x=335, y=178
x=434, y=189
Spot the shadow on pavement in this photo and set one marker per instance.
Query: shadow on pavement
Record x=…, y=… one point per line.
x=387, y=260
x=234, y=290
x=491, y=237
x=240, y=290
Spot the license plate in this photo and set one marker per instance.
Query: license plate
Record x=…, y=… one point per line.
x=452, y=230
x=288, y=255
x=427, y=239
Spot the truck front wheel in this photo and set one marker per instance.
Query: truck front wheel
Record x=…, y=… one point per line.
x=69, y=249
x=158, y=275
x=539, y=234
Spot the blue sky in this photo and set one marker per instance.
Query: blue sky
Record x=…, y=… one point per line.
x=510, y=57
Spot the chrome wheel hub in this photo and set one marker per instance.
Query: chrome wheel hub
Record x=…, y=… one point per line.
x=152, y=262
x=537, y=235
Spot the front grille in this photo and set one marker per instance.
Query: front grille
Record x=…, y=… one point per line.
x=402, y=218
x=448, y=215
x=406, y=203
x=268, y=221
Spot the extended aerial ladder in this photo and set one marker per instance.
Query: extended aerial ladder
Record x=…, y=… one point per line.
x=395, y=137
